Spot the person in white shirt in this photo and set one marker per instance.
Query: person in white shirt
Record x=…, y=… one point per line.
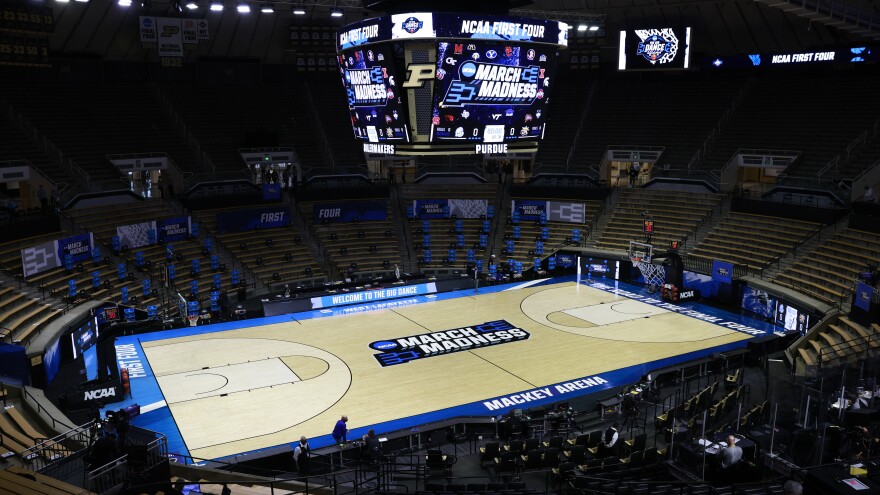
x=301, y=454
x=608, y=445
x=870, y=196
x=730, y=454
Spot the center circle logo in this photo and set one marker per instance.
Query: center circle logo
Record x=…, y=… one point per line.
x=468, y=69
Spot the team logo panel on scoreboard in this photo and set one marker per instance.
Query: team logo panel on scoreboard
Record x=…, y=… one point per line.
x=490, y=93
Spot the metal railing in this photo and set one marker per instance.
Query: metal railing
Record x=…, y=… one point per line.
x=45, y=144
x=703, y=150
x=583, y=117
x=316, y=118
x=52, y=453
x=860, y=140
x=831, y=166
x=857, y=348
x=183, y=130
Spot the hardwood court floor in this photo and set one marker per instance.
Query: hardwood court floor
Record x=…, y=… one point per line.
x=252, y=388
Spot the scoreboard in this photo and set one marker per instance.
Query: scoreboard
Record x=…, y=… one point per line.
x=24, y=32
x=449, y=83
x=374, y=100
x=491, y=92
x=654, y=49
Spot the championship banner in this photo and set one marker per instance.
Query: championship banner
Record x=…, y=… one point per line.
x=529, y=209
x=431, y=208
x=364, y=211
x=190, y=32
x=39, y=258
x=79, y=247
x=722, y=271
x=173, y=229
x=373, y=295
x=148, y=30
x=202, y=30
x=170, y=37
x=242, y=220
x=559, y=211
x=863, y=296
x=135, y=235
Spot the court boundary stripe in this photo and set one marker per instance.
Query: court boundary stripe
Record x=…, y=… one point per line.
x=445, y=413
x=164, y=399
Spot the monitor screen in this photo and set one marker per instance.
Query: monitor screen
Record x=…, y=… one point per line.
x=374, y=100
x=758, y=302
x=654, y=49
x=491, y=92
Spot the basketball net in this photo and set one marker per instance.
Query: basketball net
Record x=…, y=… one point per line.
x=654, y=275
x=193, y=320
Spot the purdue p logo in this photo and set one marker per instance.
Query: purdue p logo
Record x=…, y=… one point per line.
x=417, y=75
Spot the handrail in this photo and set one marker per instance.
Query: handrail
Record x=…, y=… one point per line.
x=703, y=150
x=183, y=130
x=577, y=134
x=859, y=140
x=597, y=216
x=832, y=164
x=42, y=141
x=42, y=410
x=852, y=344
x=317, y=118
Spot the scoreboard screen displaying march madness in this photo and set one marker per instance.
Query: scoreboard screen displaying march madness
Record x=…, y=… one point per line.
x=491, y=92
x=374, y=98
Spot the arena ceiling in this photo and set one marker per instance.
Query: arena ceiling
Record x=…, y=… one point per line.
x=104, y=29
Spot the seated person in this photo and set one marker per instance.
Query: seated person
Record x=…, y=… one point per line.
x=730, y=454
x=608, y=446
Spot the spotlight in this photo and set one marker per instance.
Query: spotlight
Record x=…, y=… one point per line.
x=147, y=4
x=243, y=8
x=336, y=13
x=594, y=28
x=582, y=27
x=267, y=8
x=83, y=1
x=124, y=3
x=192, y=6
x=177, y=7
x=216, y=7
x=299, y=11
x=62, y=1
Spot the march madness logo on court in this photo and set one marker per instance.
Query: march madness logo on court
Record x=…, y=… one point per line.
x=405, y=349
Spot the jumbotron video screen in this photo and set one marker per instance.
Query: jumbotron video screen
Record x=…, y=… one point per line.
x=491, y=92
x=374, y=100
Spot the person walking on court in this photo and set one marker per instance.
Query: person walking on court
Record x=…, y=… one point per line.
x=301, y=455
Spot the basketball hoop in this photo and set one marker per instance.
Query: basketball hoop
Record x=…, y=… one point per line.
x=654, y=275
x=193, y=319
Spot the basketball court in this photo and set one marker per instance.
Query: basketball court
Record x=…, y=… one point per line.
x=237, y=387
